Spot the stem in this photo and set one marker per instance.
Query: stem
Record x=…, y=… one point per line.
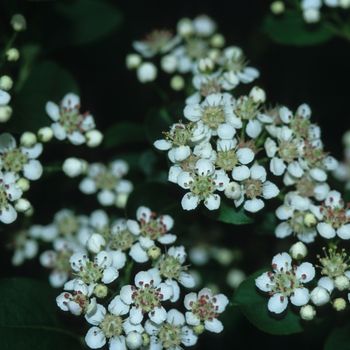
x=8, y=46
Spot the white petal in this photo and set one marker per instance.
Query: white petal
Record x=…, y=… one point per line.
x=270, y=190
x=254, y=205
x=277, y=303
x=301, y=296
x=95, y=338
x=214, y=325
x=344, y=231
x=326, y=230
x=106, y=197
x=189, y=201
x=88, y=186
x=245, y=155
x=212, y=202
x=32, y=170
x=240, y=173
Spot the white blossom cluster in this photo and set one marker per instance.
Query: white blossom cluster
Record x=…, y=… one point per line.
x=311, y=9
x=140, y=315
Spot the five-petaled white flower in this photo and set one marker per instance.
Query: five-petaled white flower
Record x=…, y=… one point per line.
x=285, y=281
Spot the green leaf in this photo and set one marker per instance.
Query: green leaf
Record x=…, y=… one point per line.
x=230, y=215
x=291, y=29
x=47, y=82
x=83, y=21
x=28, y=317
x=339, y=338
x=124, y=133
x=254, y=306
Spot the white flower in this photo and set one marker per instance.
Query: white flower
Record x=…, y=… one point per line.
x=202, y=185
x=146, y=296
x=286, y=281
x=73, y=167
x=253, y=185
x=205, y=308
x=68, y=122
x=20, y=159
x=107, y=180
x=172, y=332
x=146, y=72
x=24, y=247
x=333, y=217
x=9, y=191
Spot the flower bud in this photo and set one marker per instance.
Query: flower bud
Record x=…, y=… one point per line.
x=298, y=251
x=307, y=312
x=121, y=199
x=185, y=27
x=146, y=72
x=154, y=252
x=22, y=205
x=217, y=40
x=134, y=340
x=214, y=55
x=133, y=61
x=169, y=63
x=199, y=329
x=28, y=139
x=277, y=7
x=73, y=167
x=257, y=94
x=145, y=339
x=204, y=25
x=45, y=134
x=101, y=291
x=224, y=256
x=18, y=22
x=5, y=98
x=339, y=304
x=345, y=4
x=205, y=65
x=235, y=277
x=233, y=190
x=12, y=55
x=5, y=113
x=177, y=82
x=346, y=139
x=28, y=213
x=93, y=138
x=310, y=220
x=95, y=243
x=341, y=282
x=23, y=183
x=6, y=83
x=319, y=296
x=311, y=15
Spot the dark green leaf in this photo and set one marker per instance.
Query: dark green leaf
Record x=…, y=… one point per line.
x=82, y=21
x=230, y=215
x=28, y=317
x=123, y=133
x=47, y=82
x=254, y=305
x=339, y=338
x=291, y=29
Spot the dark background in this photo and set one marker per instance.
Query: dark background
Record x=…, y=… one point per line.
x=317, y=75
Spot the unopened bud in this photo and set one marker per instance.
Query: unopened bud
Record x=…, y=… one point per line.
x=18, y=22
x=319, y=296
x=311, y=15
x=339, y=304
x=133, y=61
x=134, y=340
x=217, y=40
x=206, y=65
x=146, y=72
x=5, y=113
x=233, y=190
x=341, y=282
x=307, y=312
x=93, y=138
x=277, y=7
x=345, y=4
x=154, y=252
x=22, y=205
x=95, y=243
x=121, y=199
x=23, y=183
x=73, y=167
x=12, y=55
x=101, y=291
x=298, y=251
x=177, y=82
x=257, y=94
x=6, y=83
x=45, y=134
x=5, y=98
x=169, y=63
x=235, y=277
x=28, y=139
x=310, y=220
x=185, y=27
